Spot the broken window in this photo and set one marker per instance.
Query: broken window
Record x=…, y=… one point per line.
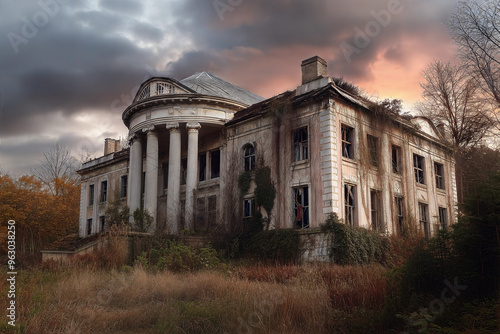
x=214, y=164
x=203, y=167
x=89, y=226
x=300, y=144
x=419, y=167
x=424, y=219
x=373, y=150
x=347, y=142
x=104, y=191
x=301, y=206
x=439, y=172
x=376, y=211
x=249, y=157
x=248, y=207
x=399, y=214
x=91, y=194
x=350, y=204
x=396, y=159
x=443, y=218
x=123, y=186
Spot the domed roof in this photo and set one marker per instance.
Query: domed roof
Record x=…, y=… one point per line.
x=209, y=84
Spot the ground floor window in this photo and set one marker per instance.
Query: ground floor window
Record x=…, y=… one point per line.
x=443, y=218
x=301, y=206
x=424, y=219
x=376, y=211
x=89, y=226
x=248, y=207
x=103, y=223
x=399, y=214
x=350, y=204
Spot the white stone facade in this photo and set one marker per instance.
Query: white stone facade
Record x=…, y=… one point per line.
x=191, y=140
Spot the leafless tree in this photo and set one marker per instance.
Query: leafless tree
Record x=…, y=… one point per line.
x=56, y=163
x=452, y=96
x=476, y=30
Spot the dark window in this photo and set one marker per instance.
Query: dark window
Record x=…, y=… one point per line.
x=89, y=226
x=301, y=207
x=399, y=214
x=376, y=211
x=424, y=219
x=103, y=223
x=373, y=150
x=123, y=186
x=184, y=164
x=104, y=191
x=214, y=164
x=203, y=167
x=183, y=215
x=249, y=157
x=396, y=159
x=91, y=194
x=300, y=144
x=350, y=204
x=419, y=168
x=201, y=216
x=347, y=142
x=248, y=207
x=443, y=218
x=439, y=171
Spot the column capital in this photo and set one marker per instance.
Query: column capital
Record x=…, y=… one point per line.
x=173, y=127
x=193, y=127
x=149, y=129
x=132, y=138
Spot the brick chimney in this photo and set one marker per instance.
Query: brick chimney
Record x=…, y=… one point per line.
x=314, y=68
x=111, y=146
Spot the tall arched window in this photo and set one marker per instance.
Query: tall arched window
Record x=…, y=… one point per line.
x=249, y=157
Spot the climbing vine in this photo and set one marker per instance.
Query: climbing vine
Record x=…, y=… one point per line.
x=265, y=193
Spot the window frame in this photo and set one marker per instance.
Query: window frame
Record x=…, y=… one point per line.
x=443, y=217
x=91, y=194
x=249, y=157
x=211, y=153
x=396, y=163
x=439, y=175
x=123, y=186
x=376, y=211
x=300, y=145
x=350, y=207
x=400, y=213
x=248, y=210
x=423, y=218
x=304, y=197
x=348, y=151
x=419, y=168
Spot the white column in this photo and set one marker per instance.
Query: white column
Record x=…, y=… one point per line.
x=192, y=175
x=151, y=180
x=134, y=175
x=174, y=178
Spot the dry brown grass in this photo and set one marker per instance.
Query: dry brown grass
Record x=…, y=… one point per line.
x=253, y=299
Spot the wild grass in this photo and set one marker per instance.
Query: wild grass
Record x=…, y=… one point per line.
x=248, y=299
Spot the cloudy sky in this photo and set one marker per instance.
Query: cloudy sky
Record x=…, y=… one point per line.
x=68, y=68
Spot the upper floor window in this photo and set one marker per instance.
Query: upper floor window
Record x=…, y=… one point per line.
x=91, y=194
x=164, y=88
x=347, y=142
x=214, y=164
x=202, y=170
x=300, y=144
x=144, y=94
x=439, y=172
x=396, y=159
x=104, y=191
x=419, y=168
x=249, y=157
x=373, y=150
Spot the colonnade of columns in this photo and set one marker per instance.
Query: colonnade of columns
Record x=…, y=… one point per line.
x=174, y=175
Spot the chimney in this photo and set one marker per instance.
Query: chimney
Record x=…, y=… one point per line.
x=314, y=68
x=111, y=146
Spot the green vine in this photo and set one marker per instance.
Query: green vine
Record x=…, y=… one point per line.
x=265, y=193
x=244, y=182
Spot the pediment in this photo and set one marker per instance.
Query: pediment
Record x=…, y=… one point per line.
x=161, y=86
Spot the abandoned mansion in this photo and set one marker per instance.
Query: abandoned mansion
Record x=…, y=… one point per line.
x=200, y=147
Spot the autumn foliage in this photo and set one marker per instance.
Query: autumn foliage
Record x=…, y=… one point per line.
x=41, y=217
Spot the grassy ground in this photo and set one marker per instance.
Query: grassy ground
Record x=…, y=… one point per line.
x=247, y=299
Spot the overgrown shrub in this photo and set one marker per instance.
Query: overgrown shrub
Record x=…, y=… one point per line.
x=142, y=220
x=355, y=245
x=280, y=245
x=177, y=257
